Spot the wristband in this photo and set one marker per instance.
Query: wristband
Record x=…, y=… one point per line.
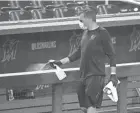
x=65, y=60
x=113, y=73
x=113, y=70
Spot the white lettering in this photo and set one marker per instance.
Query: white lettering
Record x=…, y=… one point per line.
x=38, y=87
x=135, y=40
x=75, y=40
x=43, y=45
x=11, y=95
x=33, y=46
x=9, y=50
x=113, y=40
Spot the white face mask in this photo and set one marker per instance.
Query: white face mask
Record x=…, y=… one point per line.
x=82, y=26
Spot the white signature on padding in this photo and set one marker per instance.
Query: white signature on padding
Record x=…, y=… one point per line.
x=135, y=40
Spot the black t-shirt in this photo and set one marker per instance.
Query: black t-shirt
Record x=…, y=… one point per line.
x=95, y=46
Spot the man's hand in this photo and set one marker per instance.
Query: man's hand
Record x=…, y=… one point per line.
x=57, y=62
x=114, y=79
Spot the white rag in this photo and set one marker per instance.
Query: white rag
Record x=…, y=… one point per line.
x=111, y=91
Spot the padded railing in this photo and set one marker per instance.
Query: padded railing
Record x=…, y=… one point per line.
x=129, y=75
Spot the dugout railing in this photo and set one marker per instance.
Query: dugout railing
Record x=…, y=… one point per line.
x=57, y=103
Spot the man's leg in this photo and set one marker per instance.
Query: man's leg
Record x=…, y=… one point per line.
x=94, y=92
x=81, y=97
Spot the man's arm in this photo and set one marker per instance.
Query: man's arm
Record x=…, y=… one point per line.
x=109, y=51
x=75, y=55
x=71, y=58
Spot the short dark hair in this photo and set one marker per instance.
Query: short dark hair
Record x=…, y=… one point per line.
x=91, y=13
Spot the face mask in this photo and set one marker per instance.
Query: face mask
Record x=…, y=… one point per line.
x=82, y=26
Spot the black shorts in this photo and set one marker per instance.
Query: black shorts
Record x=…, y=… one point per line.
x=90, y=92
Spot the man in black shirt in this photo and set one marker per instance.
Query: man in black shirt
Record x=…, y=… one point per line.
x=95, y=45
